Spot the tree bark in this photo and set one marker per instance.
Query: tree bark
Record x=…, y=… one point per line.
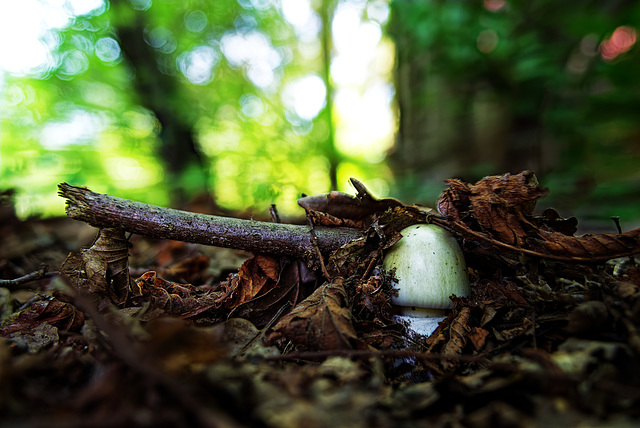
x=159, y=93
x=104, y=211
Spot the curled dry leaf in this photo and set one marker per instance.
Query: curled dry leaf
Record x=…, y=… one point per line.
x=601, y=246
x=86, y=270
x=62, y=315
x=320, y=322
x=103, y=268
x=170, y=298
x=342, y=209
x=501, y=205
x=295, y=283
x=112, y=245
x=458, y=332
x=256, y=277
x=499, y=210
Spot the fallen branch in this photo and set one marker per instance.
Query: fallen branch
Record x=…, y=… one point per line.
x=104, y=211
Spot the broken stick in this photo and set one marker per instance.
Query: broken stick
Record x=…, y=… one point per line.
x=103, y=211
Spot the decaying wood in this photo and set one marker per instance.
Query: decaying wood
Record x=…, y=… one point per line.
x=104, y=211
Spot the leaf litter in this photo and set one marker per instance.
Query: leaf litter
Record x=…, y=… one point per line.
x=549, y=336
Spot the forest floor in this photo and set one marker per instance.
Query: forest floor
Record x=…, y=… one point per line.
x=190, y=335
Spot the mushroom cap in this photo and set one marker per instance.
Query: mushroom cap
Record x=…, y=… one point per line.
x=429, y=267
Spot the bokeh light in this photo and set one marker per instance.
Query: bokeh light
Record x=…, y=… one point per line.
x=270, y=130
x=305, y=96
x=621, y=41
x=487, y=41
x=253, y=52
x=24, y=28
x=198, y=64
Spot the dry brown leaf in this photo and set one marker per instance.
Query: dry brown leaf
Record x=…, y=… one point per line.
x=86, y=270
x=255, y=277
x=296, y=282
x=478, y=337
x=182, y=300
x=61, y=315
x=103, y=268
x=525, y=327
x=499, y=210
x=501, y=205
x=336, y=207
x=458, y=332
x=112, y=245
x=320, y=322
x=600, y=246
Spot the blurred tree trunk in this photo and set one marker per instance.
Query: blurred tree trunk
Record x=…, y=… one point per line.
x=455, y=122
x=184, y=165
x=434, y=129
x=434, y=132
x=327, y=9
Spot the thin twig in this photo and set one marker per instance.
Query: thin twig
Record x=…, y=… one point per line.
x=33, y=276
x=316, y=248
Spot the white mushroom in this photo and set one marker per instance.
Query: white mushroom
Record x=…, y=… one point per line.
x=429, y=268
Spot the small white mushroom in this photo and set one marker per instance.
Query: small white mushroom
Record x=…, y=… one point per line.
x=429, y=268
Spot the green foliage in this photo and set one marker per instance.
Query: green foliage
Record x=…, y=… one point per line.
x=105, y=116
x=149, y=100
x=542, y=85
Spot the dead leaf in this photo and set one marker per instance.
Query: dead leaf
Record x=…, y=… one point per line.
x=320, y=218
x=335, y=208
x=524, y=327
x=320, y=322
x=112, y=245
x=588, y=247
x=296, y=282
x=183, y=300
x=86, y=270
x=103, y=268
x=499, y=211
x=458, y=332
x=478, y=336
x=36, y=339
x=500, y=205
x=62, y=315
x=256, y=276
